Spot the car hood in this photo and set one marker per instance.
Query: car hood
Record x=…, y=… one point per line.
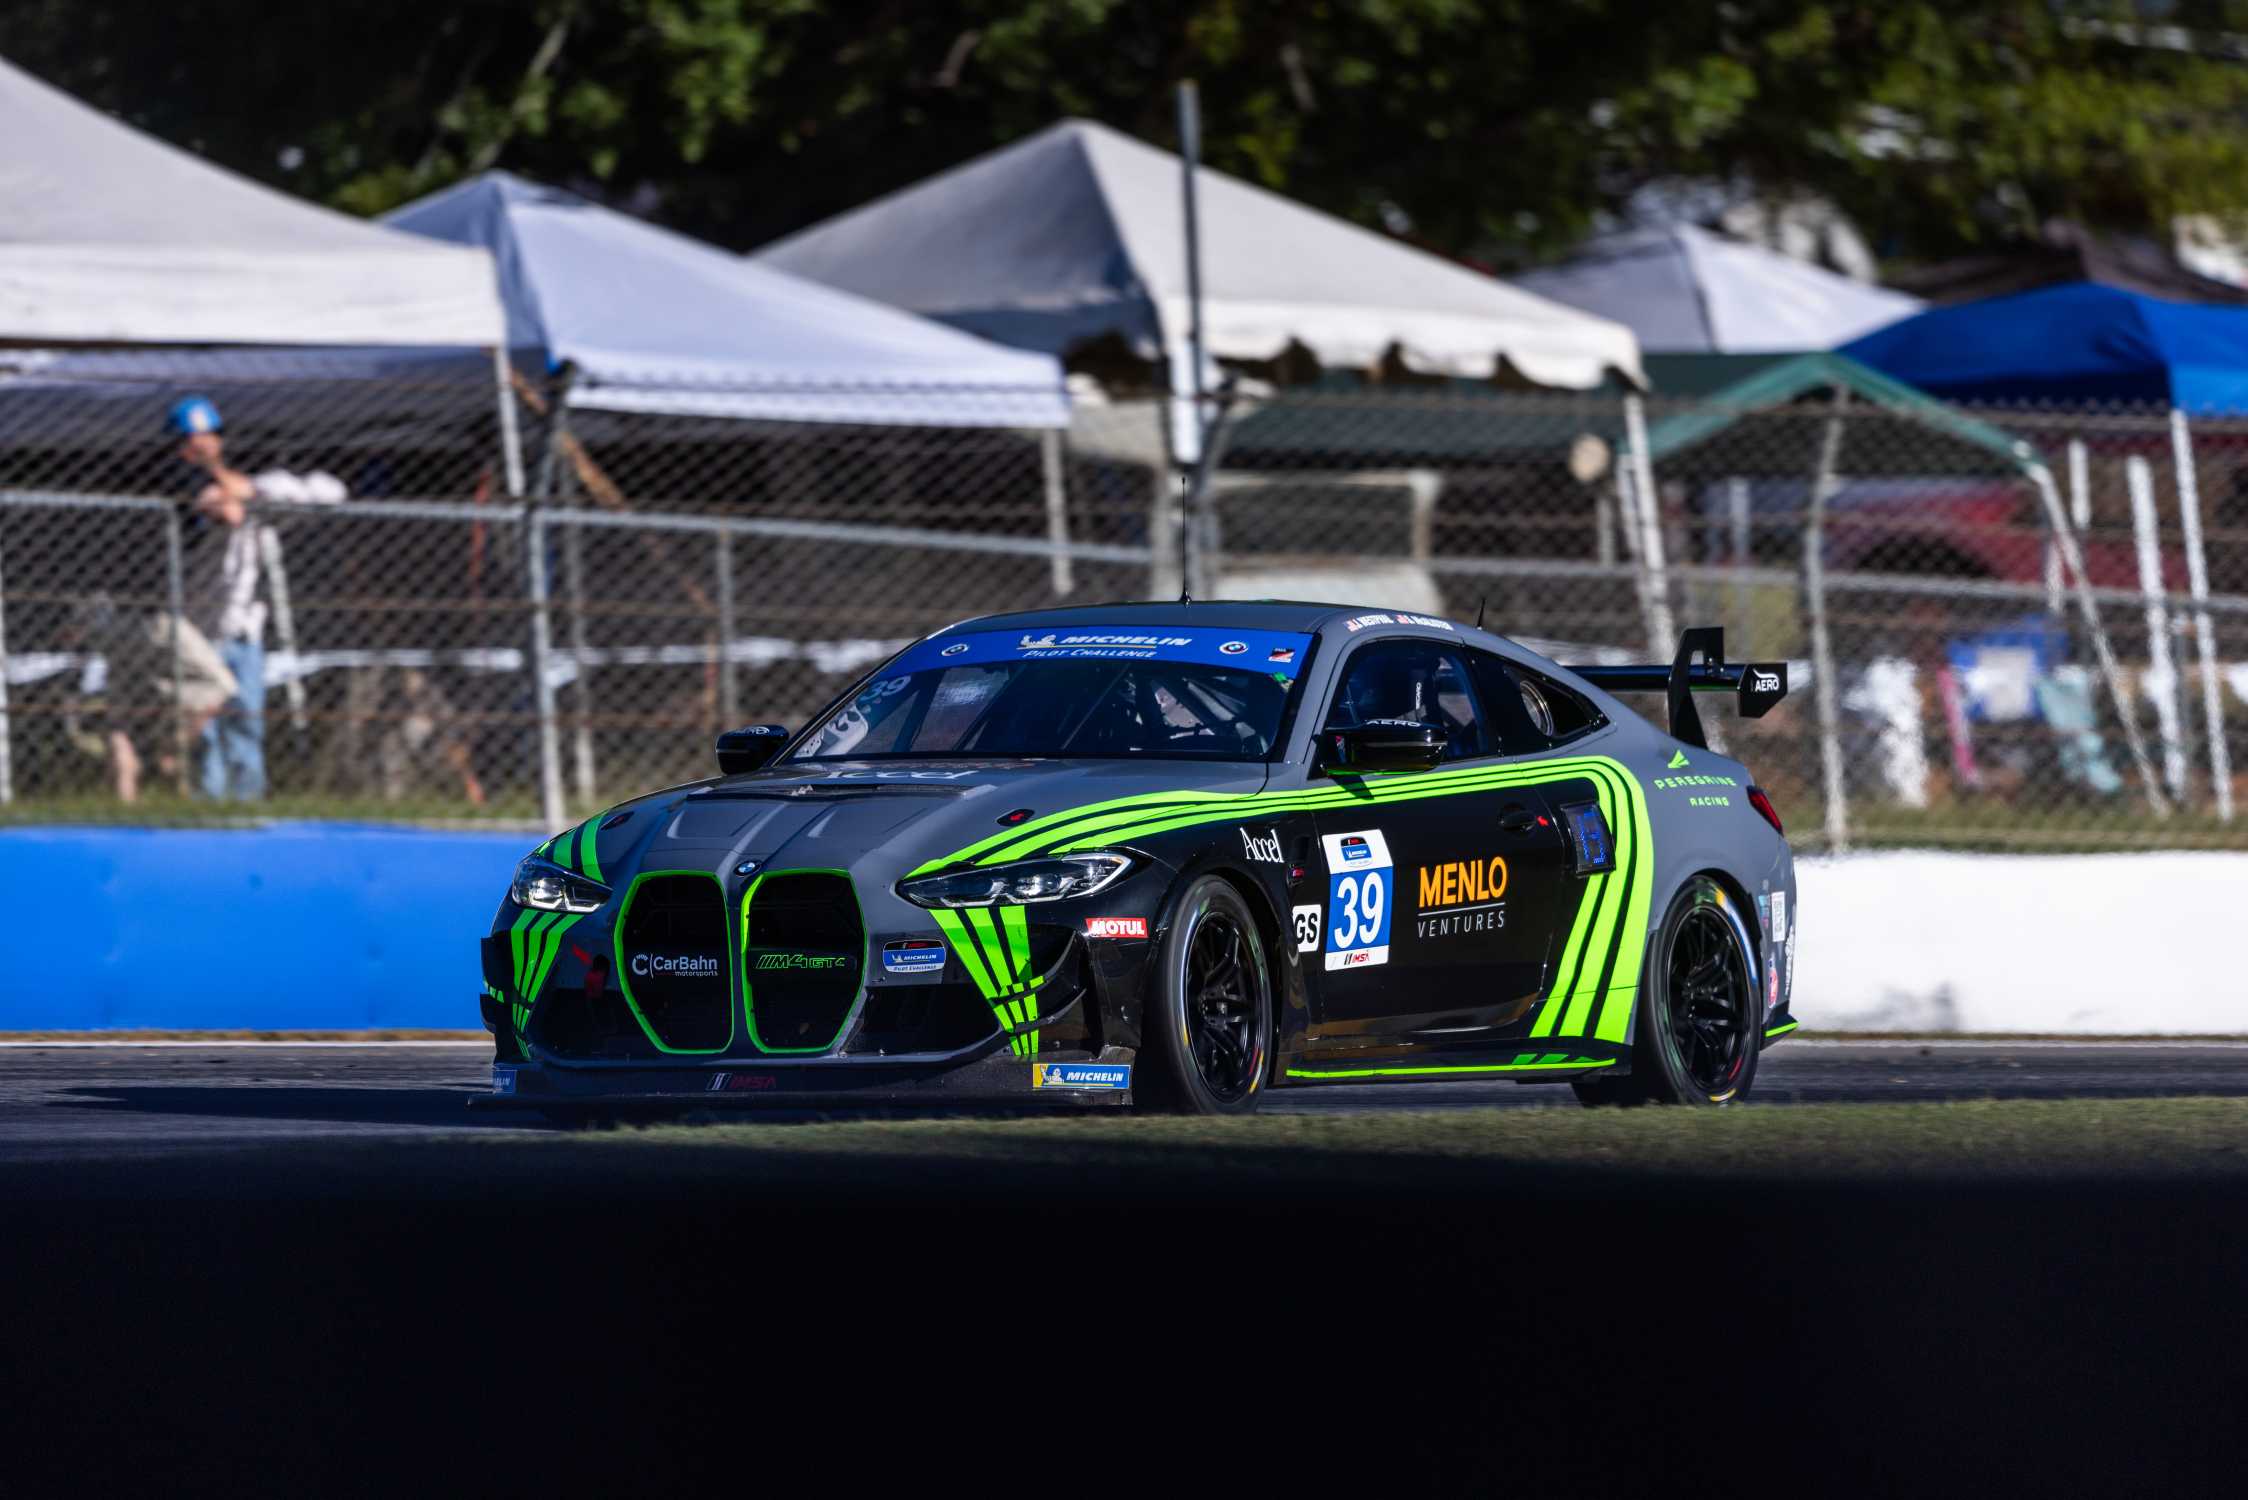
x=836, y=815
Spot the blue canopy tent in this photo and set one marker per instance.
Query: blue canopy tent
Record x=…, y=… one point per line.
x=2077, y=342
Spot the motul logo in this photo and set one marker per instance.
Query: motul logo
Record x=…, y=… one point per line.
x=1116, y=927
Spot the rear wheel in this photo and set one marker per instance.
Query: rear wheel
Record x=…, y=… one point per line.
x=1207, y=1038
x=1695, y=1039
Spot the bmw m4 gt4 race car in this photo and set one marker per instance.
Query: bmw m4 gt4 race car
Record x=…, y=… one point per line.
x=1171, y=855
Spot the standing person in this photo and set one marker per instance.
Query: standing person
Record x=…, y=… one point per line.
x=223, y=573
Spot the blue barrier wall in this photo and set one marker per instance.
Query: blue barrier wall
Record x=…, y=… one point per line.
x=285, y=927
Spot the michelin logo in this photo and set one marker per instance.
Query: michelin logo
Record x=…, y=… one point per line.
x=1080, y=1075
x=503, y=1079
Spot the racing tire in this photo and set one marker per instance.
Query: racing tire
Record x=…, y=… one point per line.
x=1695, y=1039
x=1207, y=1039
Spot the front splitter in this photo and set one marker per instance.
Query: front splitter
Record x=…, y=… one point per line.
x=998, y=1079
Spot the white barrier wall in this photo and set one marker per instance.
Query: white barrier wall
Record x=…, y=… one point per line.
x=2099, y=943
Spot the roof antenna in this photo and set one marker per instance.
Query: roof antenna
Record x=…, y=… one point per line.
x=1479, y=611
x=1185, y=521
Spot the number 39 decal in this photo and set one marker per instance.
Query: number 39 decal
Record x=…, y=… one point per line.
x=1359, y=873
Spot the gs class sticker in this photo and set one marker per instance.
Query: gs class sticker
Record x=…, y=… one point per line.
x=1360, y=884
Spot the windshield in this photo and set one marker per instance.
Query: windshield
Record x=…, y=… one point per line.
x=1090, y=692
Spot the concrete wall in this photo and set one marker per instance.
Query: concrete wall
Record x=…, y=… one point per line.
x=2095, y=943
x=336, y=926
x=293, y=926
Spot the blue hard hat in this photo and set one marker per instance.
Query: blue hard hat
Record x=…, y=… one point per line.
x=192, y=414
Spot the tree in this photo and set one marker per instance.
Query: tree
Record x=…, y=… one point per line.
x=1497, y=129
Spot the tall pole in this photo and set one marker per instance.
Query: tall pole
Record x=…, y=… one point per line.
x=1825, y=691
x=2161, y=681
x=1190, y=159
x=2197, y=579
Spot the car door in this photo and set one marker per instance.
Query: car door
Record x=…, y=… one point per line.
x=1440, y=895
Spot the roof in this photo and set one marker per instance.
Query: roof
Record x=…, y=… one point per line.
x=1470, y=424
x=1973, y=445
x=1077, y=232
x=659, y=322
x=111, y=236
x=1245, y=614
x=1682, y=288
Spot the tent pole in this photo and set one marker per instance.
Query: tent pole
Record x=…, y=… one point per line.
x=1057, y=510
x=1825, y=691
x=2205, y=637
x=7, y=758
x=1659, y=625
x=1190, y=158
x=1737, y=515
x=2162, y=672
x=2111, y=674
x=511, y=436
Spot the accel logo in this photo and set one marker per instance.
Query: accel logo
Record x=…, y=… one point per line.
x=1264, y=850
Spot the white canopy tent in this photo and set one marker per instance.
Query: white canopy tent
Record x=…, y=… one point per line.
x=110, y=236
x=1078, y=231
x=657, y=322
x=1686, y=290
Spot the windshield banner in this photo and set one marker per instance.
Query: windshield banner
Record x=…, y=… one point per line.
x=1278, y=653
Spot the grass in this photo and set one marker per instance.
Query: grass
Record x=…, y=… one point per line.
x=1979, y=1139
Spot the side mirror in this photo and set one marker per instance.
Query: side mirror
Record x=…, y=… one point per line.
x=1383, y=745
x=749, y=749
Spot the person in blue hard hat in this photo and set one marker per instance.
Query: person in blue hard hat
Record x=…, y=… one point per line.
x=221, y=553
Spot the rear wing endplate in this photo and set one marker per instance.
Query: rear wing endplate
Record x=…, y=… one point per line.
x=1757, y=684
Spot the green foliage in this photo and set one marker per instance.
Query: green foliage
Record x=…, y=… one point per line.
x=1496, y=128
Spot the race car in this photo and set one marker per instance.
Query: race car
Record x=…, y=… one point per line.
x=1171, y=856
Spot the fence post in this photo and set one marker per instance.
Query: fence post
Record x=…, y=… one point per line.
x=2205, y=637
x=1825, y=691
x=7, y=756
x=511, y=436
x=551, y=809
x=1647, y=521
x=581, y=692
x=2162, y=671
x=2072, y=558
x=729, y=706
x=1737, y=516
x=1057, y=510
x=175, y=596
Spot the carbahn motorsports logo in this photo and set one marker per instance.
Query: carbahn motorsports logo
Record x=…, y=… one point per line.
x=816, y=961
x=1462, y=896
x=674, y=965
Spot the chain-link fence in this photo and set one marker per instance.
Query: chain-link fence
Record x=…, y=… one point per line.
x=2005, y=629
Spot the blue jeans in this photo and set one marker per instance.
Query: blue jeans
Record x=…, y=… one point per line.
x=234, y=740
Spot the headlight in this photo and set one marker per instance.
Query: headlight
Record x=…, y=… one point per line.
x=1031, y=880
x=543, y=885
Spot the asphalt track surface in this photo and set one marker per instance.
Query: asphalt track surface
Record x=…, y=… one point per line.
x=311, y=1266
x=129, y=1098
x=116, y=1101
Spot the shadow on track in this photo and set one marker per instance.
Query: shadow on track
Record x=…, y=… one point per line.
x=432, y=1108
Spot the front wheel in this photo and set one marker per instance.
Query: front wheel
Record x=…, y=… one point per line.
x=1209, y=1023
x=1695, y=1039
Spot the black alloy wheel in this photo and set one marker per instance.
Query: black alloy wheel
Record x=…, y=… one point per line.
x=1710, y=994
x=1695, y=1038
x=1206, y=1046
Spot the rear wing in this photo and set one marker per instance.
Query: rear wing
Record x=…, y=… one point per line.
x=1757, y=684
